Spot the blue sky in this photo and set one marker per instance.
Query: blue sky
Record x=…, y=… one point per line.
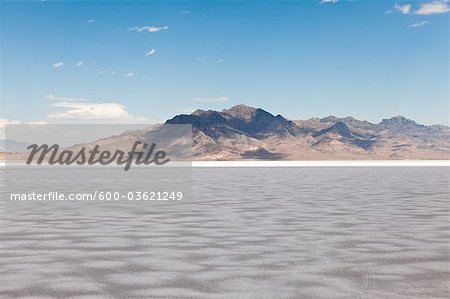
x=148, y=61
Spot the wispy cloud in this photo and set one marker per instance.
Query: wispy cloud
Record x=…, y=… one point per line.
x=187, y=110
x=151, y=52
x=78, y=64
x=129, y=74
x=58, y=64
x=4, y=122
x=91, y=21
x=38, y=122
x=202, y=59
x=435, y=7
x=404, y=9
x=418, y=24
x=220, y=60
x=148, y=29
x=65, y=99
x=328, y=1
x=210, y=100
x=75, y=109
x=106, y=72
x=185, y=12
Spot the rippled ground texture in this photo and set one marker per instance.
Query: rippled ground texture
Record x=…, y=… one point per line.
x=247, y=233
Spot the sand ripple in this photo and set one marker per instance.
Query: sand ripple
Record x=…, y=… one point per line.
x=247, y=233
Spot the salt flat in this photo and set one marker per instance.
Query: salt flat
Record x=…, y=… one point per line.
x=296, y=232
x=323, y=163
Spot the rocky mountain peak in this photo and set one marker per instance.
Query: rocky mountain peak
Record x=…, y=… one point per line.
x=339, y=128
x=330, y=118
x=254, y=122
x=198, y=112
x=241, y=111
x=397, y=121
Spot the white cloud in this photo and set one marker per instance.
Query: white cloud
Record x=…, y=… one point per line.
x=58, y=64
x=187, y=110
x=418, y=24
x=65, y=99
x=81, y=110
x=185, y=12
x=435, y=7
x=148, y=29
x=92, y=111
x=151, y=52
x=210, y=100
x=86, y=110
x=220, y=60
x=79, y=63
x=38, y=122
x=328, y=1
x=91, y=21
x=106, y=72
x=4, y=122
x=404, y=9
x=156, y=29
x=129, y=74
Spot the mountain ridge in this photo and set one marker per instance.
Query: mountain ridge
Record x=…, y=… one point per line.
x=248, y=133
x=238, y=132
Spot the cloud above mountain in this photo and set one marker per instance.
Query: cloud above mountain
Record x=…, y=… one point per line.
x=65, y=99
x=418, y=24
x=58, y=64
x=79, y=109
x=404, y=9
x=148, y=29
x=430, y=8
x=151, y=52
x=4, y=122
x=435, y=7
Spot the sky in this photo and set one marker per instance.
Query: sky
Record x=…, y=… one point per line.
x=145, y=61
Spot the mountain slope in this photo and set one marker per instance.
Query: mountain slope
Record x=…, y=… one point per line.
x=253, y=122
x=244, y=132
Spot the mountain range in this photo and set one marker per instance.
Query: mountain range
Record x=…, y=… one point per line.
x=244, y=132
x=247, y=133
